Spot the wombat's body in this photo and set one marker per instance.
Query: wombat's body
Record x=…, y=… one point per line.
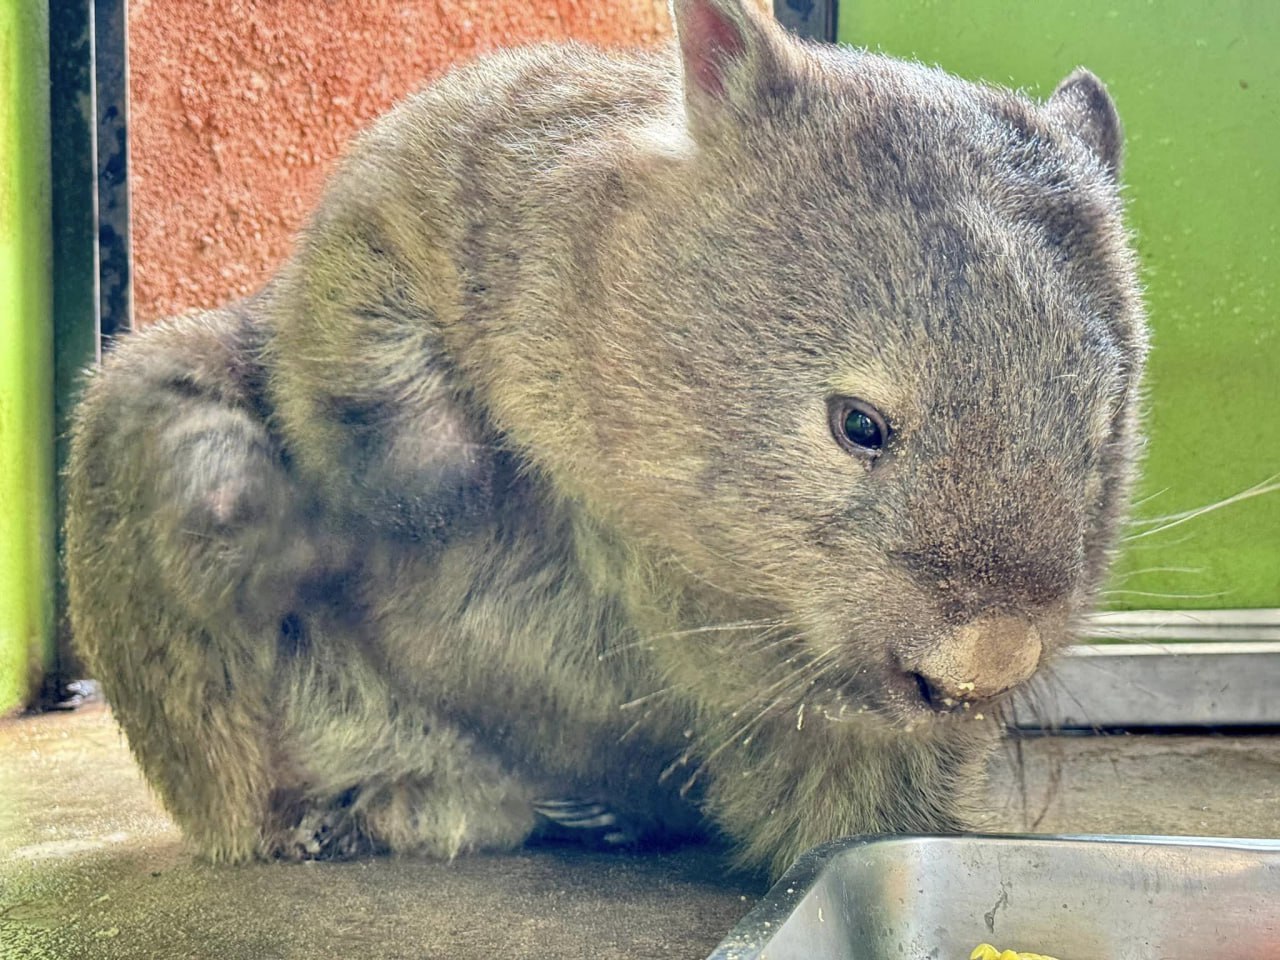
x=518, y=484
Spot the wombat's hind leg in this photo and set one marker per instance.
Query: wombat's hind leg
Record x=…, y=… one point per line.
x=185, y=550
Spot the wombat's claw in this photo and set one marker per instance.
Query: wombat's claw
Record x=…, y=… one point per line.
x=584, y=819
x=575, y=813
x=327, y=835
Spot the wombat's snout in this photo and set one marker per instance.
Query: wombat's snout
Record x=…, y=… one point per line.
x=978, y=661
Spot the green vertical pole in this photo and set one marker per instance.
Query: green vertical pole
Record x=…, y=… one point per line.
x=27, y=560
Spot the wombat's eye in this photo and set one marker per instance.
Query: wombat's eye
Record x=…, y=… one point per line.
x=858, y=427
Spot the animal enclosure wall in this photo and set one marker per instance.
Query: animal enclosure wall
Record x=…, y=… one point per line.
x=240, y=107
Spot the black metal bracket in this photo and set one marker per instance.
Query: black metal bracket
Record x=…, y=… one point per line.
x=813, y=19
x=115, y=254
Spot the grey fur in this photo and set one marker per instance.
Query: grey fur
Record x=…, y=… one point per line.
x=516, y=482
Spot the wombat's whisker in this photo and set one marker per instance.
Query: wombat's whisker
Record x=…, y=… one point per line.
x=1270, y=485
x=788, y=682
x=790, y=674
x=649, y=640
x=758, y=645
x=766, y=646
x=755, y=571
x=719, y=628
x=1054, y=778
x=1103, y=633
x=1143, y=571
x=1147, y=499
x=1156, y=645
x=1020, y=796
x=706, y=581
x=673, y=766
x=787, y=687
x=1171, y=618
x=774, y=637
x=728, y=741
x=1162, y=545
x=1052, y=678
x=632, y=704
x=1051, y=788
x=466, y=445
x=1018, y=761
x=1165, y=596
x=1101, y=666
x=639, y=722
x=1257, y=488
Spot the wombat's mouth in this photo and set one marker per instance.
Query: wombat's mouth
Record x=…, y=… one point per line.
x=928, y=693
x=937, y=701
x=909, y=698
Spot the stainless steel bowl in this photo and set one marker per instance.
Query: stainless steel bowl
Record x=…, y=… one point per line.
x=1074, y=898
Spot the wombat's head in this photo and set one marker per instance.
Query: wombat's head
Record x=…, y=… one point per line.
x=881, y=358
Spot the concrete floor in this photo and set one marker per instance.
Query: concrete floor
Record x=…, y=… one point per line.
x=90, y=867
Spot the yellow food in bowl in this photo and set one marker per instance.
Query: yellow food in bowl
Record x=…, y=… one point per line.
x=985, y=951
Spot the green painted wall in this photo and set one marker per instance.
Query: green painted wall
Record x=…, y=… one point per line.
x=26, y=359
x=1197, y=84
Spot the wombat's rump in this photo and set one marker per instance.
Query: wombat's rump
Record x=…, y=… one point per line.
x=634, y=446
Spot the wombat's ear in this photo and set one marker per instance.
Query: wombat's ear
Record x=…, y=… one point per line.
x=1081, y=103
x=733, y=56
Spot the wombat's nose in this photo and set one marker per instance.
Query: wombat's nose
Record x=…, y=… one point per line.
x=985, y=657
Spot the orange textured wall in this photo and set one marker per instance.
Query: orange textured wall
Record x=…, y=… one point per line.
x=238, y=108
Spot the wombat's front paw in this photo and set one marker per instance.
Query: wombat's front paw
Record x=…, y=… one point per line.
x=326, y=834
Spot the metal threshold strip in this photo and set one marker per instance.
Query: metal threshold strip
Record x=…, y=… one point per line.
x=1162, y=669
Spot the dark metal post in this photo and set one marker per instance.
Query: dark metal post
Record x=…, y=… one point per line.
x=111, y=67
x=92, y=271
x=74, y=180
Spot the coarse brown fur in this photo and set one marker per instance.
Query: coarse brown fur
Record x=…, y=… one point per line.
x=517, y=483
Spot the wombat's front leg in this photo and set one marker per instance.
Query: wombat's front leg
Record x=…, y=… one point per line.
x=377, y=419
x=187, y=548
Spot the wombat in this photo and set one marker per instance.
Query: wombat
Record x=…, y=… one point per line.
x=637, y=446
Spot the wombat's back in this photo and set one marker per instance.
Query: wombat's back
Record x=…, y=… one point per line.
x=463, y=220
